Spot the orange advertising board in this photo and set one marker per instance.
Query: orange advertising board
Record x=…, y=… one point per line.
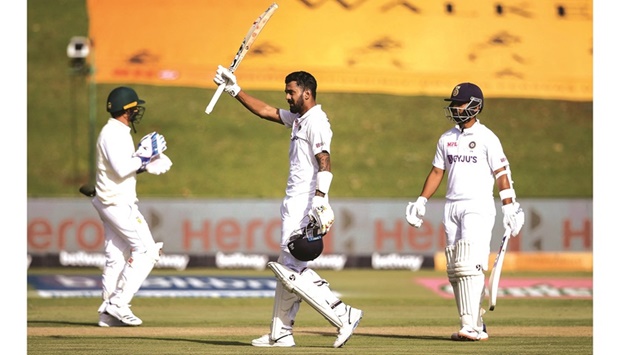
x=519, y=48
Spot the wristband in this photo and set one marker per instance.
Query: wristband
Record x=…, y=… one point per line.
x=508, y=193
x=323, y=181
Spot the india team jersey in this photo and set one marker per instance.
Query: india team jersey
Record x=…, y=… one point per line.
x=310, y=135
x=469, y=158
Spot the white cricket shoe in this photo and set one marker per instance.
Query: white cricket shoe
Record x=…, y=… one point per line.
x=350, y=320
x=285, y=341
x=106, y=320
x=123, y=314
x=467, y=333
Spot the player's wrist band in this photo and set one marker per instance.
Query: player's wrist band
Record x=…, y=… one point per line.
x=323, y=181
x=508, y=193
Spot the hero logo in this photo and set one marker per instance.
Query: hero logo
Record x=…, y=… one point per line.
x=462, y=159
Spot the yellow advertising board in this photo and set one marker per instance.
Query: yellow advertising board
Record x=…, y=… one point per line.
x=516, y=48
x=534, y=261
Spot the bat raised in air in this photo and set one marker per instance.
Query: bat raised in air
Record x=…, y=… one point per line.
x=497, y=270
x=249, y=39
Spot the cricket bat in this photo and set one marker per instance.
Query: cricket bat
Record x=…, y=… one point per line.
x=497, y=270
x=247, y=42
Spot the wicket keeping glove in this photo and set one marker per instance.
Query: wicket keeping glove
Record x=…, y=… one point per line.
x=159, y=165
x=150, y=146
x=321, y=214
x=225, y=76
x=415, y=211
x=514, y=218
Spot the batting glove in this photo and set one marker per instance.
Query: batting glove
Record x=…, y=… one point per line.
x=514, y=218
x=321, y=214
x=415, y=211
x=226, y=77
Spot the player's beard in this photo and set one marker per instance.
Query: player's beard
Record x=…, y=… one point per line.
x=296, y=105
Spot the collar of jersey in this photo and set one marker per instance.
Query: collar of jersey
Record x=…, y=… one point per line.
x=313, y=108
x=471, y=129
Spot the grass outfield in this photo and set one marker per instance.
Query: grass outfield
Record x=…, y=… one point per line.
x=400, y=317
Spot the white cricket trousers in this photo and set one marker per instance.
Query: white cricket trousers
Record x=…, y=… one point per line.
x=294, y=213
x=471, y=220
x=126, y=231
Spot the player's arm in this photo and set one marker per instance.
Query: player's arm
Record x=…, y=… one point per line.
x=254, y=105
x=504, y=185
x=325, y=165
x=259, y=107
x=432, y=182
x=321, y=212
x=514, y=217
x=121, y=163
x=416, y=210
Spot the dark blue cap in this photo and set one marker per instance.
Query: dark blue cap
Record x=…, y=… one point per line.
x=463, y=92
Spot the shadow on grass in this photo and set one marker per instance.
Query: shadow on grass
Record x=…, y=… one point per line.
x=375, y=335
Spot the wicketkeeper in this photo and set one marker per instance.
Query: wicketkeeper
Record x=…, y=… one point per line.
x=130, y=251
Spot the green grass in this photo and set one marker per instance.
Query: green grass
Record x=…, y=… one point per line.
x=382, y=148
x=401, y=317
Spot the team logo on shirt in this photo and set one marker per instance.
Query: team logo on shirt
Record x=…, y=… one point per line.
x=472, y=145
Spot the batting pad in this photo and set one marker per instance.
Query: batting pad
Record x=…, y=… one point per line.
x=470, y=280
x=285, y=307
x=306, y=290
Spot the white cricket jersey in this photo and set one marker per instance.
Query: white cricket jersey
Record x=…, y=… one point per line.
x=116, y=165
x=469, y=158
x=310, y=135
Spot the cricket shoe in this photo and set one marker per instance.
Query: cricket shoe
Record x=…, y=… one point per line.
x=123, y=314
x=350, y=320
x=467, y=333
x=285, y=341
x=106, y=320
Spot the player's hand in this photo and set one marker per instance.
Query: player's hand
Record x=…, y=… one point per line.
x=321, y=214
x=226, y=77
x=159, y=165
x=150, y=146
x=415, y=211
x=514, y=218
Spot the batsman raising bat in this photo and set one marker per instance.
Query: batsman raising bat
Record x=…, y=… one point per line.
x=305, y=210
x=130, y=251
x=474, y=159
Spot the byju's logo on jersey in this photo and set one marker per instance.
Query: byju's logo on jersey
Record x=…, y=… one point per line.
x=462, y=159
